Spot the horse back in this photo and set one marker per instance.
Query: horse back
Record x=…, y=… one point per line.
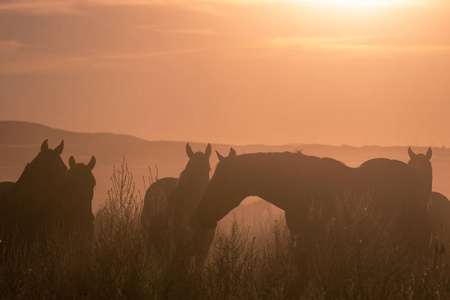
x=156, y=196
x=385, y=177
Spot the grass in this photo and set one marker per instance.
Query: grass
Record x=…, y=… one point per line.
x=354, y=256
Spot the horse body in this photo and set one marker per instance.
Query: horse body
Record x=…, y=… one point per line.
x=295, y=182
x=4, y=186
x=27, y=208
x=156, y=195
x=440, y=213
x=279, y=178
x=439, y=205
x=170, y=205
x=153, y=217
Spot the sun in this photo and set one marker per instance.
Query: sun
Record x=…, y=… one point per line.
x=353, y=3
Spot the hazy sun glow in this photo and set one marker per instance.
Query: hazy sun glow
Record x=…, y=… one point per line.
x=354, y=3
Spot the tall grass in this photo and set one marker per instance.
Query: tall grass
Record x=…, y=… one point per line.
x=354, y=255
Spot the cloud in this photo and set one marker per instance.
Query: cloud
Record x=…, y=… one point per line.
x=75, y=6
x=39, y=63
x=7, y=46
x=193, y=31
x=40, y=7
x=356, y=45
x=80, y=6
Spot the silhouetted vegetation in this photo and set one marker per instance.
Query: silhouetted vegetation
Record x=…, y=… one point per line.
x=355, y=256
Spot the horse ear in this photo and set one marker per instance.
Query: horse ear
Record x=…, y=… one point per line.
x=411, y=153
x=60, y=148
x=72, y=162
x=189, y=151
x=232, y=153
x=91, y=163
x=429, y=153
x=44, y=145
x=208, y=150
x=220, y=157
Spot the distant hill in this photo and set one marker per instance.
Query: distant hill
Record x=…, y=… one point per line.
x=20, y=142
x=106, y=145
x=18, y=132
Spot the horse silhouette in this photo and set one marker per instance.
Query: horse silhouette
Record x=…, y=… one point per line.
x=155, y=204
x=421, y=164
x=295, y=182
x=439, y=204
x=170, y=205
x=5, y=185
x=28, y=207
x=77, y=210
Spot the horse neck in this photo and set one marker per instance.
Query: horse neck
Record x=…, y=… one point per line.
x=32, y=183
x=188, y=192
x=263, y=175
x=77, y=204
x=82, y=187
x=284, y=178
x=425, y=173
x=427, y=180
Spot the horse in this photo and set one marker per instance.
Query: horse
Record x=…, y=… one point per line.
x=170, y=205
x=77, y=210
x=5, y=185
x=155, y=202
x=421, y=164
x=27, y=208
x=295, y=182
x=439, y=207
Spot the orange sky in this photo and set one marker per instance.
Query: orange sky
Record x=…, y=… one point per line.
x=242, y=72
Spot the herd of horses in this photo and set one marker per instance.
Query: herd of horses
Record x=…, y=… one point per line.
x=47, y=196
x=184, y=212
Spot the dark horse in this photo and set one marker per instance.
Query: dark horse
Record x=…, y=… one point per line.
x=27, y=208
x=5, y=185
x=295, y=182
x=77, y=211
x=421, y=164
x=170, y=205
x=439, y=204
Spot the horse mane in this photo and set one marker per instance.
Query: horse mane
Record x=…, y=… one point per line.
x=298, y=156
x=24, y=175
x=321, y=159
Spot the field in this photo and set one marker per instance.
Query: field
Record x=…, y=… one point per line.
x=355, y=257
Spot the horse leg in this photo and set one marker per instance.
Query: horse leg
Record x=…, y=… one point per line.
x=300, y=229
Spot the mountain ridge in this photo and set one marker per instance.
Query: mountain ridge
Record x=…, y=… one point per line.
x=20, y=142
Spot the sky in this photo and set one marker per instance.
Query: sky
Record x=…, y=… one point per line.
x=227, y=71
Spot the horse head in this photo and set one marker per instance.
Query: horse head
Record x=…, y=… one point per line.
x=198, y=161
x=45, y=173
x=194, y=179
x=49, y=161
x=219, y=198
x=421, y=164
